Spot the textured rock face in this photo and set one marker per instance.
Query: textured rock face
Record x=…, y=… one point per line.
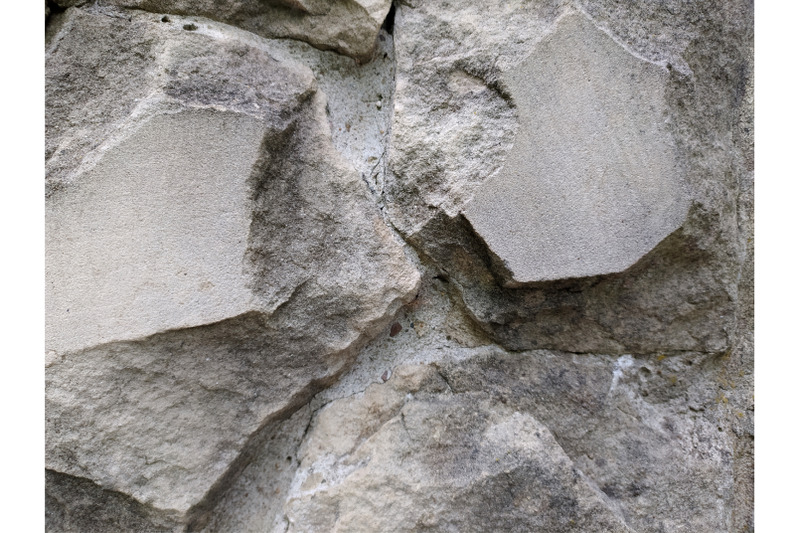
x=326, y=266
x=184, y=313
x=349, y=27
x=466, y=447
x=396, y=460
x=519, y=200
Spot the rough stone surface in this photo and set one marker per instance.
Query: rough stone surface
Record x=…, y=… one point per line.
x=349, y=27
x=645, y=431
x=458, y=115
x=80, y=506
x=184, y=313
x=467, y=448
x=406, y=457
x=491, y=272
x=359, y=102
x=591, y=183
x=254, y=502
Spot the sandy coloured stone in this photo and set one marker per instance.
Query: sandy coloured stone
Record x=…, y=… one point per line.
x=154, y=237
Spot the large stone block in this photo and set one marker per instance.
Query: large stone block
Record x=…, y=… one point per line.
x=406, y=456
x=647, y=432
x=535, y=441
x=578, y=181
x=212, y=261
x=154, y=236
x=591, y=183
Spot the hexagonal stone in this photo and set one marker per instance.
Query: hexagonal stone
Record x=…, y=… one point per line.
x=592, y=183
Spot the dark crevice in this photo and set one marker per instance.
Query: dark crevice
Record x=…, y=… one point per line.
x=201, y=513
x=51, y=10
x=388, y=22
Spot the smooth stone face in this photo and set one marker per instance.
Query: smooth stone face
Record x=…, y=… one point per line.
x=591, y=183
x=455, y=124
x=170, y=253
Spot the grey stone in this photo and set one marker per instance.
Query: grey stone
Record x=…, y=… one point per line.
x=656, y=438
x=349, y=27
x=520, y=442
x=647, y=432
x=592, y=182
x=453, y=121
x=459, y=112
x=250, y=347
x=407, y=456
x=254, y=502
x=359, y=100
x=169, y=253
x=184, y=313
x=77, y=505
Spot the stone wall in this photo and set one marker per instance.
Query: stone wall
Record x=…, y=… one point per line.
x=362, y=266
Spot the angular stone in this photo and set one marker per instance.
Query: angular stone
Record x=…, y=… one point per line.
x=408, y=456
x=154, y=236
x=453, y=121
x=592, y=182
x=184, y=312
x=78, y=505
x=460, y=109
x=349, y=27
x=254, y=502
x=521, y=442
x=359, y=99
x=183, y=420
x=647, y=432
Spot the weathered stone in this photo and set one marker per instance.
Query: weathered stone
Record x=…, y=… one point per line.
x=184, y=313
x=460, y=110
x=359, y=101
x=645, y=431
x=349, y=27
x=531, y=441
x=255, y=500
x=591, y=183
x=406, y=457
x=225, y=268
x=453, y=122
x=77, y=505
x=169, y=253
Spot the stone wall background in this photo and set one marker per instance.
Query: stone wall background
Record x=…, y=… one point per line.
x=425, y=266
